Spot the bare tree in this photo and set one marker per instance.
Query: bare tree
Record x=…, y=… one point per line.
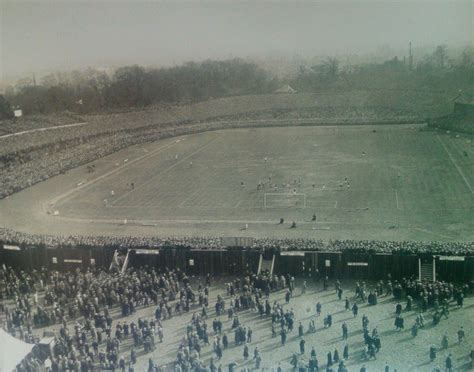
x=440, y=56
x=331, y=67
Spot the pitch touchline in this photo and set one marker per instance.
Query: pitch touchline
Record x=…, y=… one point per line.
x=456, y=165
x=432, y=232
x=201, y=221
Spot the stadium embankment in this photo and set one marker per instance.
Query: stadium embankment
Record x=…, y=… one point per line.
x=42, y=161
x=460, y=120
x=37, y=155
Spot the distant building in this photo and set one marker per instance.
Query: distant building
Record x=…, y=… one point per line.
x=285, y=89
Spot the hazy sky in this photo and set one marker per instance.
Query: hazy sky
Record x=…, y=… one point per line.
x=46, y=35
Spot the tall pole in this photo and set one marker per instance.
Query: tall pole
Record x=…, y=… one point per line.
x=410, y=57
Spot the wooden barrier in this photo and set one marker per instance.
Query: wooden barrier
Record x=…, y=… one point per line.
x=235, y=261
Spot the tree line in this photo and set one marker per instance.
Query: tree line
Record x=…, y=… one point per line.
x=432, y=72
x=136, y=87
x=130, y=87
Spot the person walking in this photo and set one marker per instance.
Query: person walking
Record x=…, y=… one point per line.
x=345, y=353
x=302, y=345
x=355, y=309
x=449, y=363
x=433, y=352
x=345, y=331
x=329, y=359
x=444, y=342
x=246, y=352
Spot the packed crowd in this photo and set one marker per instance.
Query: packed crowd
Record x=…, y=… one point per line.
x=90, y=338
x=9, y=236
x=43, y=298
x=36, y=156
x=31, y=122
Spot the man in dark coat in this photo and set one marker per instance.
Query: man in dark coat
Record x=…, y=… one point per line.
x=449, y=363
x=300, y=330
x=345, y=331
x=283, y=337
x=302, y=343
x=329, y=357
x=345, y=353
x=432, y=353
x=355, y=309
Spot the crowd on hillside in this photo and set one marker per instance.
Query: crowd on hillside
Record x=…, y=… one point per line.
x=34, y=157
x=8, y=236
x=29, y=122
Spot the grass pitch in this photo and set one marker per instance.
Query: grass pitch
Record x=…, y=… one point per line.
x=366, y=182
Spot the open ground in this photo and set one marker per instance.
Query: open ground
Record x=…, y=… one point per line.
x=415, y=351
x=403, y=182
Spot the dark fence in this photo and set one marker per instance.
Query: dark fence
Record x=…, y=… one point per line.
x=235, y=261
x=348, y=265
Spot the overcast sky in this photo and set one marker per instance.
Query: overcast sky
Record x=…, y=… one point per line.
x=48, y=35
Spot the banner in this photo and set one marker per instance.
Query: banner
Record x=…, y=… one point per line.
x=11, y=247
x=292, y=253
x=147, y=251
x=451, y=258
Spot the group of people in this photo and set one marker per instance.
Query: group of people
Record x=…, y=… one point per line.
x=9, y=236
x=38, y=155
x=43, y=298
x=35, y=156
x=89, y=337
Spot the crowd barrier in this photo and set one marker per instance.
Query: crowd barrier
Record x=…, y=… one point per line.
x=233, y=261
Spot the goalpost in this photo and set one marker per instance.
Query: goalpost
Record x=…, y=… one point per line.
x=284, y=200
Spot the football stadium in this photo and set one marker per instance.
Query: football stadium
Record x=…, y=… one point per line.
x=214, y=217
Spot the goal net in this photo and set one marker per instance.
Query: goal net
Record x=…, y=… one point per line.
x=284, y=200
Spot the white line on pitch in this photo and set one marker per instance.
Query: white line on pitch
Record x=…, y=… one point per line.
x=164, y=171
x=210, y=221
x=188, y=197
x=396, y=198
x=432, y=232
x=456, y=165
x=238, y=203
x=107, y=174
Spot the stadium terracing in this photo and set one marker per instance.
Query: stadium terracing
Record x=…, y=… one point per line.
x=35, y=149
